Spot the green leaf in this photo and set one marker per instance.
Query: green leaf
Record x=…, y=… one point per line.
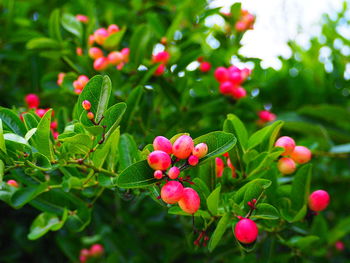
x=26, y=194
x=112, y=42
x=40, y=162
x=128, y=152
x=16, y=142
x=251, y=190
x=266, y=211
x=43, y=43
x=31, y=120
x=303, y=243
x=2, y=170
x=45, y=222
x=132, y=101
x=218, y=232
x=2, y=139
x=112, y=117
x=234, y=125
x=341, y=229
x=141, y=44
x=41, y=138
x=301, y=187
x=54, y=25
x=12, y=122
x=264, y=134
x=175, y=210
x=213, y=200
x=72, y=25
x=97, y=91
x=77, y=144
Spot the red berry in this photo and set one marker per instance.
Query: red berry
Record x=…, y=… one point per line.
x=205, y=66
x=12, y=183
x=219, y=167
x=193, y=160
x=86, y=105
x=301, y=154
x=162, y=144
x=95, y=53
x=286, y=165
x=183, y=146
x=172, y=192
x=160, y=70
x=246, y=231
x=82, y=18
x=235, y=75
x=226, y=87
x=339, y=245
x=101, y=64
x=100, y=35
x=266, y=116
x=162, y=57
x=40, y=112
x=32, y=100
x=239, y=93
x=200, y=150
x=190, y=201
x=287, y=143
x=83, y=80
x=112, y=29
x=55, y=135
x=174, y=172
x=115, y=58
x=60, y=78
x=82, y=259
x=221, y=74
x=241, y=26
x=158, y=174
x=159, y=160
x=319, y=200
x=90, y=115
x=96, y=250
x=53, y=125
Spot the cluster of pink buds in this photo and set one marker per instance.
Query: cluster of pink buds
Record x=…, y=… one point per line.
x=165, y=160
x=80, y=83
x=204, y=66
x=162, y=58
x=95, y=251
x=245, y=22
x=292, y=155
x=102, y=59
x=231, y=79
x=220, y=166
x=265, y=116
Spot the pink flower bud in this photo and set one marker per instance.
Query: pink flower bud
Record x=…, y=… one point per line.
x=286, y=165
x=174, y=172
x=200, y=150
x=246, y=231
x=86, y=105
x=100, y=35
x=190, y=201
x=159, y=160
x=112, y=29
x=12, y=183
x=287, y=143
x=163, y=144
x=221, y=74
x=193, y=160
x=205, y=66
x=158, y=174
x=101, y=64
x=172, y=192
x=301, y=154
x=95, y=53
x=32, y=101
x=115, y=57
x=183, y=146
x=319, y=200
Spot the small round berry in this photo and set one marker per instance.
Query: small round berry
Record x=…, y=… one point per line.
x=239, y=93
x=95, y=53
x=226, y=87
x=101, y=64
x=90, y=115
x=190, y=201
x=77, y=85
x=221, y=74
x=193, y=160
x=162, y=57
x=246, y=231
x=319, y=200
x=115, y=57
x=12, y=183
x=235, y=75
x=53, y=125
x=158, y=174
x=219, y=167
x=112, y=29
x=245, y=72
x=85, y=252
x=40, y=112
x=82, y=18
x=86, y=105
x=286, y=165
x=32, y=100
x=241, y=26
x=266, y=116
x=79, y=51
x=160, y=70
x=172, y=192
x=55, y=135
x=183, y=146
x=174, y=172
x=205, y=66
x=159, y=160
x=200, y=150
x=100, y=35
x=83, y=79
x=339, y=245
x=301, y=154
x=162, y=144
x=96, y=250
x=287, y=143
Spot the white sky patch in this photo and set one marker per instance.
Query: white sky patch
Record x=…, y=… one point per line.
x=279, y=21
